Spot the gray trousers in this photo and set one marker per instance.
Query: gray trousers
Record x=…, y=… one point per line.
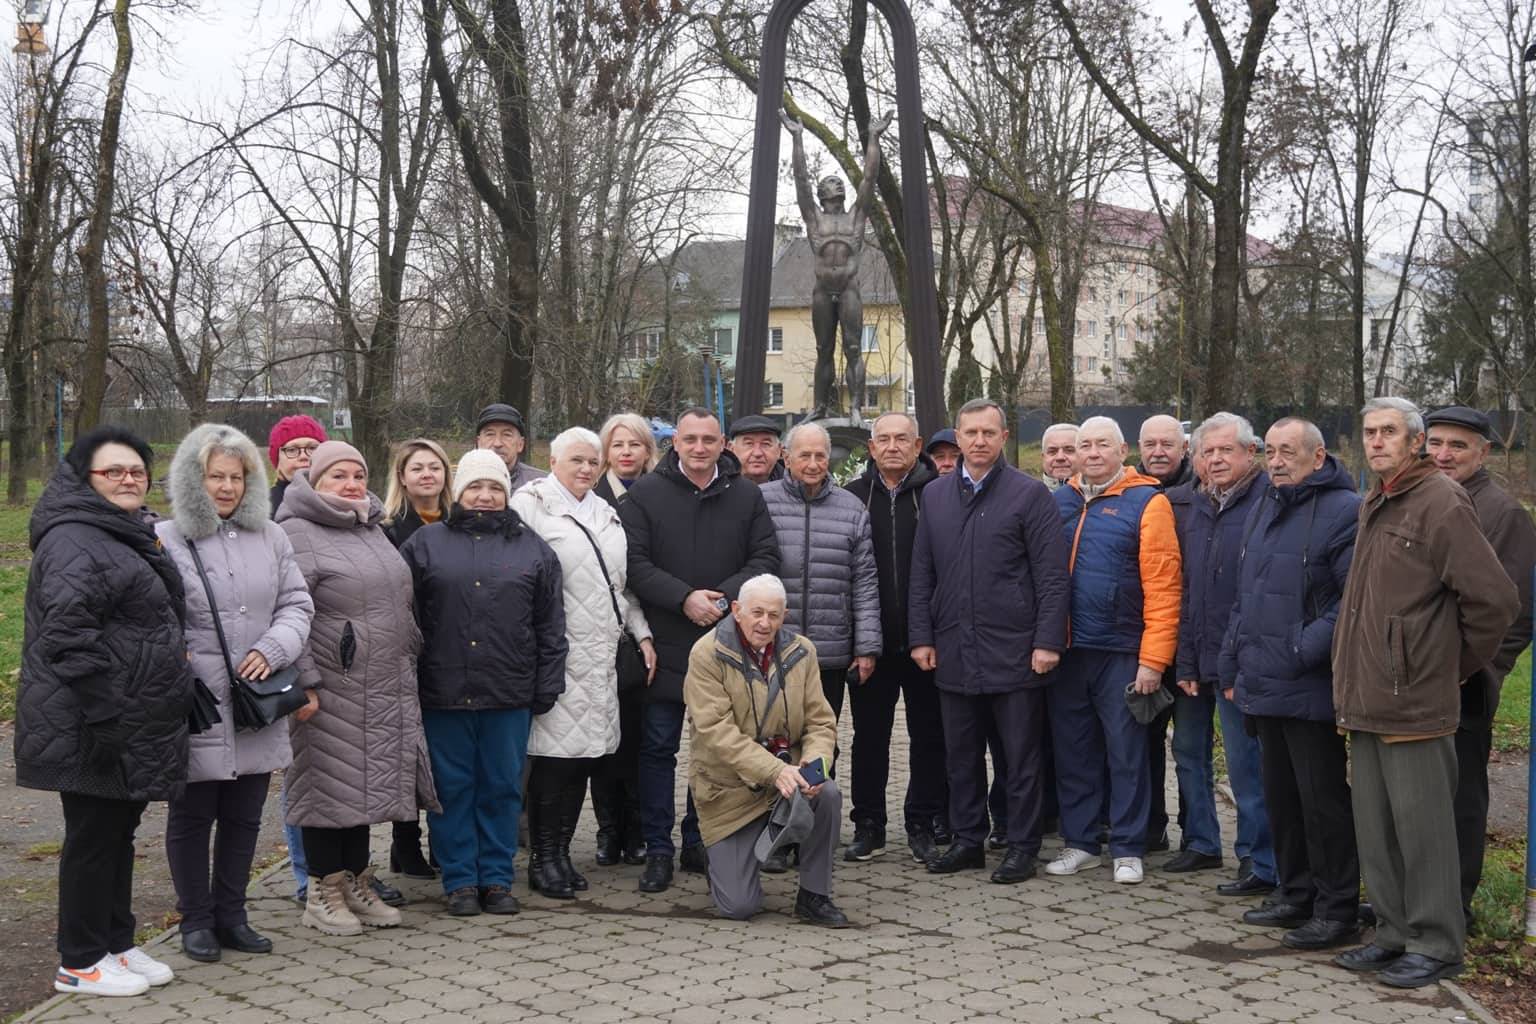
x=735, y=878
x=1405, y=826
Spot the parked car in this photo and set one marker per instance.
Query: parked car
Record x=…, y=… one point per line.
x=662, y=432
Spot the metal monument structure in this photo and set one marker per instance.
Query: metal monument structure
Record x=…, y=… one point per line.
x=757, y=266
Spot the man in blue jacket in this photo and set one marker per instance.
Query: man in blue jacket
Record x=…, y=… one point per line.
x=1297, y=546
x=1210, y=519
x=991, y=627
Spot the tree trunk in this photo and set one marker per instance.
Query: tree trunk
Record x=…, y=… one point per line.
x=93, y=390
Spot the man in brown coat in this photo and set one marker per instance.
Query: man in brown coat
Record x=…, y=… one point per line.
x=759, y=725
x=1459, y=443
x=1425, y=607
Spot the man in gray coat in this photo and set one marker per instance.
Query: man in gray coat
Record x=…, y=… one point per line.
x=500, y=428
x=827, y=563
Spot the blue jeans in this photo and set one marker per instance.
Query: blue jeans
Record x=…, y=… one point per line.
x=295, y=837
x=661, y=733
x=1194, y=737
x=1091, y=726
x=1246, y=774
x=477, y=762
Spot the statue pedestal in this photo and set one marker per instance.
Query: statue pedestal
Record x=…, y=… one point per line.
x=848, y=435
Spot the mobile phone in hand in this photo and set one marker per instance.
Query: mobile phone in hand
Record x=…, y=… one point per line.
x=814, y=773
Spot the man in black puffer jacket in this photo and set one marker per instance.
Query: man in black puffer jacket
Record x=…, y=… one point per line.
x=101, y=712
x=891, y=487
x=697, y=531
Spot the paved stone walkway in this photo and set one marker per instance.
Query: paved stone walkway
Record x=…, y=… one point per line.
x=927, y=948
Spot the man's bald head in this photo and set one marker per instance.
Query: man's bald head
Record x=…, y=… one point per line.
x=1163, y=446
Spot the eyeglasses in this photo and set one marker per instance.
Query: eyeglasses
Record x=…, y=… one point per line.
x=298, y=451
x=115, y=474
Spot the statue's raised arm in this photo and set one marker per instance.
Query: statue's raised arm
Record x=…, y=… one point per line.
x=803, y=194
x=871, y=171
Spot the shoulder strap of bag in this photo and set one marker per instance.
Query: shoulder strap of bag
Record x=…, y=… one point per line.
x=603, y=566
x=218, y=627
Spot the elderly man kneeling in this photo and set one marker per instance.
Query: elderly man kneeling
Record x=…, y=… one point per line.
x=760, y=726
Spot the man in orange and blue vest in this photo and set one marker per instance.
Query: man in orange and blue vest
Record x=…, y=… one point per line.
x=1122, y=635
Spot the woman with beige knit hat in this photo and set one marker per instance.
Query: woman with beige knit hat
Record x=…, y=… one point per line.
x=361, y=758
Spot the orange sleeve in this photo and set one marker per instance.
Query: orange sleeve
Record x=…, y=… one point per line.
x=1160, y=585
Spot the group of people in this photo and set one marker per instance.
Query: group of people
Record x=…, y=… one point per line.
x=489, y=638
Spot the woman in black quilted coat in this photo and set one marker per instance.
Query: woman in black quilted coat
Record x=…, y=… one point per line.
x=101, y=712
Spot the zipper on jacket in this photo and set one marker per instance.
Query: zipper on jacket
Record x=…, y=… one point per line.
x=1392, y=656
x=805, y=575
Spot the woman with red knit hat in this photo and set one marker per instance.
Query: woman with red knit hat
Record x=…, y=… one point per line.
x=290, y=445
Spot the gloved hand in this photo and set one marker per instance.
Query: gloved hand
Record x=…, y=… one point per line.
x=541, y=706
x=105, y=742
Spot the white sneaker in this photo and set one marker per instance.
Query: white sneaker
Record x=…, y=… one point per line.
x=1128, y=870
x=146, y=966
x=106, y=977
x=1071, y=861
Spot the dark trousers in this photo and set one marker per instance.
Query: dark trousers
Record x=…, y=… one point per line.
x=234, y=806
x=477, y=763
x=616, y=776
x=1306, y=792
x=834, y=684
x=874, y=716
x=552, y=776
x=661, y=732
x=1157, y=773
x=96, y=878
x=1019, y=716
x=329, y=850
x=1092, y=727
x=1474, y=742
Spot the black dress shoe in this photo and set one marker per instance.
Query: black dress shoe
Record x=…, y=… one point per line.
x=1367, y=958
x=610, y=849
x=1158, y=843
x=657, y=876
x=242, y=938
x=498, y=899
x=694, y=859
x=1248, y=885
x=464, y=902
x=1415, y=970
x=942, y=836
x=777, y=862
x=958, y=857
x=1320, y=934
x=201, y=944
x=868, y=842
x=1278, y=915
x=1191, y=860
x=386, y=892
x=923, y=848
x=1018, y=866
x=1366, y=915
x=634, y=851
x=814, y=908
x=998, y=840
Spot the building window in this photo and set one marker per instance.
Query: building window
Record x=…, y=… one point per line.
x=1093, y=328
x=871, y=397
x=721, y=341
x=1120, y=296
x=775, y=394
x=1121, y=332
x=871, y=340
x=646, y=345
x=1039, y=326
x=775, y=339
x=1093, y=362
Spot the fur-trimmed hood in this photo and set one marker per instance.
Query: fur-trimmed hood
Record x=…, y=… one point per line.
x=192, y=507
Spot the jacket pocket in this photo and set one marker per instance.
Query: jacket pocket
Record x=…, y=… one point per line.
x=1397, y=654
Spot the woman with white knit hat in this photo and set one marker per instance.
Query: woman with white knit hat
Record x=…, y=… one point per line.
x=493, y=656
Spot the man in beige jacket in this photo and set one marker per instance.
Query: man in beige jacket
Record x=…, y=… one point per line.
x=759, y=724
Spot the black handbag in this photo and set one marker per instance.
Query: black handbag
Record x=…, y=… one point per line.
x=257, y=702
x=630, y=660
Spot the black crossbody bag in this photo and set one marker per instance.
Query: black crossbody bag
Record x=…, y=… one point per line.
x=257, y=702
x=629, y=660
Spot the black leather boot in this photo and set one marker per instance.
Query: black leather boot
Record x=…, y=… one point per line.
x=634, y=838
x=405, y=851
x=570, y=813
x=544, y=874
x=607, y=808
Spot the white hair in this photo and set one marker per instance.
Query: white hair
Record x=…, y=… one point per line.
x=1311, y=436
x=789, y=438
x=1413, y=418
x=1054, y=427
x=1103, y=421
x=574, y=435
x=1161, y=419
x=916, y=430
x=1221, y=420
x=767, y=584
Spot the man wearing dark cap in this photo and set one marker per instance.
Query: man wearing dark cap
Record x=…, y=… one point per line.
x=755, y=443
x=944, y=450
x=1458, y=442
x=501, y=429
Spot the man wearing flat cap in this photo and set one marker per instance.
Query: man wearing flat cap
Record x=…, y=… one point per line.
x=501, y=428
x=755, y=443
x=1459, y=440
x=944, y=449
x=759, y=725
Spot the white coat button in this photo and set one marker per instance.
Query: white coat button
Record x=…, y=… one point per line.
x=242, y=609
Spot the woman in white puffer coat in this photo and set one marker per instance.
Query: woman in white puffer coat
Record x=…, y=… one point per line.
x=584, y=723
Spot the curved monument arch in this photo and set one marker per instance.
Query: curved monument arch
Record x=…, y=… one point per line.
x=757, y=265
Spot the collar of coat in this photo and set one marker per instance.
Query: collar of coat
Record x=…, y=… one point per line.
x=504, y=521
x=1415, y=473
x=792, y=647
x=546, y=490
x=728, y=468
x=191, y=506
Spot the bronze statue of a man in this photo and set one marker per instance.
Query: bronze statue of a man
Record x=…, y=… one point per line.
x=837, y=240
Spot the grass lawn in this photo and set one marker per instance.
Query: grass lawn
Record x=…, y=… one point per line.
x=1512, y=725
